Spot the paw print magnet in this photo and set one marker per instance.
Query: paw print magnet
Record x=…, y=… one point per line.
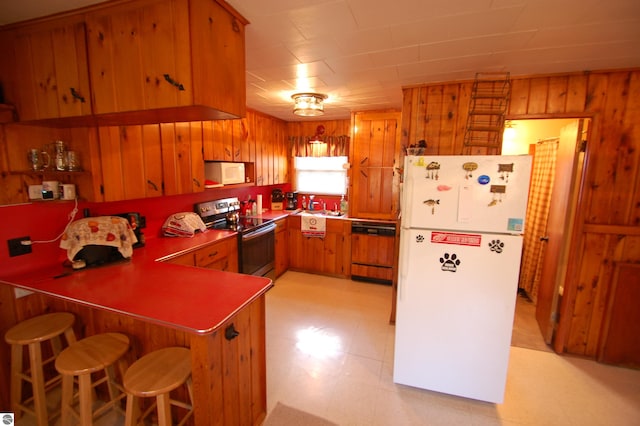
x=496, y=246
x=450, y=262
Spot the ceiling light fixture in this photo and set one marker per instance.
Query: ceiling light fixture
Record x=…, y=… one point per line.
x=308, y=104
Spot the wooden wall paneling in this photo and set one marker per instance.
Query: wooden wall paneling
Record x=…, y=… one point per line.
x=226, y=135
x=152, y=145
x=538, y=102
x=464, y=97
x=111, y=155
x=132, y=158
x=557, y=99
x=237, y=139
x=519, y=102
x=587, y=283
x=433, y=119
x=596, y=92
x=621, y=333
x=576, y=93
x=627, y=198
x=406, y=121
x=183, y=158
x=207, y=140
x=607, y=160
x=448, y=117
x=169, y=158
x=218, y=141
x=260, y=136
x=196, y=156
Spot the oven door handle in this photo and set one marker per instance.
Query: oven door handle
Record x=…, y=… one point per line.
x=255, y=234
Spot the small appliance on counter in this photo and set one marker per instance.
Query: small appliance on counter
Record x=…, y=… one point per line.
x=277, y=198
x=96, y=241
x=291, y=200
x=137, y=223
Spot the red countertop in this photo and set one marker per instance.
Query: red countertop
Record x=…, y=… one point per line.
x=196, y=300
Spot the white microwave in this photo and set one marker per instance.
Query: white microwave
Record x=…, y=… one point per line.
x=224, y=173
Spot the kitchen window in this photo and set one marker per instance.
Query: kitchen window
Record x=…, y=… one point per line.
x=321, y=175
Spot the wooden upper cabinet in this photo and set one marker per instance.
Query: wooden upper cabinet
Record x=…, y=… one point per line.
x=50, y=75
x=374, y=158
x=163, y=54
x=132, y=47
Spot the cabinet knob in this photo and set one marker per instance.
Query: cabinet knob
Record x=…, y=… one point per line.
x=231, y=333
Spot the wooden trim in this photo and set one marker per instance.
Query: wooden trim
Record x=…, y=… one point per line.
x=594, y=228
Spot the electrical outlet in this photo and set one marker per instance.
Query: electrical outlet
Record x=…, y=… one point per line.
x=16, y=248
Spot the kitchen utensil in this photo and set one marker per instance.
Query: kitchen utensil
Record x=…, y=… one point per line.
x=60, y=159
x=38, y=159
x=233, y=217
x=73, y=161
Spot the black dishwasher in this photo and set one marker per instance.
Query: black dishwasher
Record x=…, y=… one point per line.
x=373, y=248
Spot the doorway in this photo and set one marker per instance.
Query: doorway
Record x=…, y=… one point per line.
x=557, y=168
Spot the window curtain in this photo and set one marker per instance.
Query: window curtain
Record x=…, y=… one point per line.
x=542, y=177
x=330, y=146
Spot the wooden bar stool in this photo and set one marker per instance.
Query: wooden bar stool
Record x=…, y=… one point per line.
x=81, y=359
x=32, y=333
x=157, y=374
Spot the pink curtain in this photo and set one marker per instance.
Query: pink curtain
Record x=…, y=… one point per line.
x=327, y=146
x=542, y=176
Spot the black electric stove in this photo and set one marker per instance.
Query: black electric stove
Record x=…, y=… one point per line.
x=216, y=215
x=256, y=236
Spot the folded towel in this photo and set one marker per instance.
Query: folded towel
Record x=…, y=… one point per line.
x=313, y=226
x=113, y=231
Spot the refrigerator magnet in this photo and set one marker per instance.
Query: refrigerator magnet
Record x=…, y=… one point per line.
x=484, y=179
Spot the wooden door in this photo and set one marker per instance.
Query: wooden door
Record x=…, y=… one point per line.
x=374, y=179
x=559, y=226
x=52, y=78
x=139, y=56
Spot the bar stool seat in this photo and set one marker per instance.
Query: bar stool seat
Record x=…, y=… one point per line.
x=81, y=359
x=32, y=333
x=156, y=375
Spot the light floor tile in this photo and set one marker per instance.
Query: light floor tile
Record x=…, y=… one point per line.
x=356, y=386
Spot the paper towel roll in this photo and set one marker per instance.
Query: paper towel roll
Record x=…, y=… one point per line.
x=259, y=207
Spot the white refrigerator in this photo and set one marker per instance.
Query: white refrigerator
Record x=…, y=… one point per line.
x=460, y=249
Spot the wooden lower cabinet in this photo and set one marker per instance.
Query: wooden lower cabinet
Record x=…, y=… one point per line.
x=330, y=255
x=372, y=257
x=221, y=255
x=282, y=246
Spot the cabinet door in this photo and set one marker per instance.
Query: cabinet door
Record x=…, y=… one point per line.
x=222, y=255
x=131, y=159
x=218, y=45
x=182, y=158
x=282, y=247
x=372, y=249
x=51, y=72
x=375, y=153
x=139, y=56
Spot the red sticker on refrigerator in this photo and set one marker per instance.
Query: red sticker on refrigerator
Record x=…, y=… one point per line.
x=474, y=240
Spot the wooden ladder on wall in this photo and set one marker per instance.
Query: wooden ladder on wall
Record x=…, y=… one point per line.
x=487, y=107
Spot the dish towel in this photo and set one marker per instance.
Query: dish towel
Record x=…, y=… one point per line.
x=313, y=226
x=111, y=231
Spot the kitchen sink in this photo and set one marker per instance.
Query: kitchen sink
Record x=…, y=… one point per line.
x=322, y=213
